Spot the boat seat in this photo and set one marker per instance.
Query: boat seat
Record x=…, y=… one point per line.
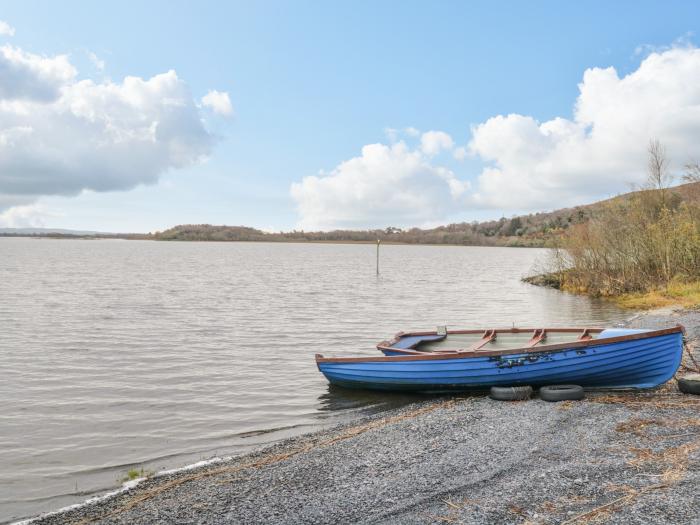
x=537, y=337
x=412, y=341
x=619, y=332
x=488, y=337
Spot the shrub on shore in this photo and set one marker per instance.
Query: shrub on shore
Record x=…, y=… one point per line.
x=647, y=244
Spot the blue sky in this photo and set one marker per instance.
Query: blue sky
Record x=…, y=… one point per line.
x=312, y=83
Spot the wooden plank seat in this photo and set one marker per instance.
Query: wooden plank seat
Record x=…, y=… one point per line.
x=537, y=337
x=489, y=335
x=585, y=335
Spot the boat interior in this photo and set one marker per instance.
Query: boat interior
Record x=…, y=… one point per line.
x=443, y=341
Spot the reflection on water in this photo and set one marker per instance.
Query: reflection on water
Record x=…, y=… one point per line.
x=121, y=354
x=346, y=399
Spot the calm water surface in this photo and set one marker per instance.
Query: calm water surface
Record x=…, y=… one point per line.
x=123, y=354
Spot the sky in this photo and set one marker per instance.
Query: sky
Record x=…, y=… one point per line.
x=137, y=116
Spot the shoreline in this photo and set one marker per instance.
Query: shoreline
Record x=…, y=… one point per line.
x=269, y=241
x=675, y=296
x=443, y=459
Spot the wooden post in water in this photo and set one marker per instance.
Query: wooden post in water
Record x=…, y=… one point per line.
x=378, y=243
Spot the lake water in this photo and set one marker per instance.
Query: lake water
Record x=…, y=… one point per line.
x=130, y=354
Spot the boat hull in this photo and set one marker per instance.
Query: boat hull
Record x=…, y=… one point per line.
x=628, y=362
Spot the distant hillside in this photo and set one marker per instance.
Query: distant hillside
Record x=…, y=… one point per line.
x=535, y=230
x=46, y=231
x=59, y=233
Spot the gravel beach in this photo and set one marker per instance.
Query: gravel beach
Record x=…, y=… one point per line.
x=614, y=457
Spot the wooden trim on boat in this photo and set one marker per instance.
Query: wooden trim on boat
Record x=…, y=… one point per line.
x=425, y=356
x=537, y=337
x=410, y=350
x=399, y=335
x=585, y=335
x=489, y=335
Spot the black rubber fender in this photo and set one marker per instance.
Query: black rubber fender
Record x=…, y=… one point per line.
x=690, y=384
x=510, y=393
x=562, y=393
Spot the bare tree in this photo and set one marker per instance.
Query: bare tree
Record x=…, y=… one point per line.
x=658, y=176
x=692, y=177
x=657, y=165
x=692, y=172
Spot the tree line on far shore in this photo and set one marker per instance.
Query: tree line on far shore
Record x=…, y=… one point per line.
x=534, y=230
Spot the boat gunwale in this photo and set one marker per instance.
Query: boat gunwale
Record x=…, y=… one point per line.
x=410, y=350
x=461, y=354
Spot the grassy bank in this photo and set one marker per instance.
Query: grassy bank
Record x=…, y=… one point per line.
x=676, y=294
x=686, y=295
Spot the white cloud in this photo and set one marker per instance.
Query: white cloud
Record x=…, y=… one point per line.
x=96, y=61
x=386, y=185
x=433, y=142
x=28, y=216
x=460, y=153
x=528, y=165
x=26, y=76
x=392, y=134
x=60, y=135
x=602, y=149
x=395, y=134
x=683, y=41
x=218, y=102
x=6, y=29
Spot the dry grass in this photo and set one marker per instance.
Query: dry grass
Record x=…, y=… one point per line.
x=682, y=295
x=517, y=510
x=636, y=401
x=670, y=463
x=454, y=508
x=672, y=460
x=604, y=511
x=688, y=361
x=264, y=461
x=637, y=426
x=558, y=505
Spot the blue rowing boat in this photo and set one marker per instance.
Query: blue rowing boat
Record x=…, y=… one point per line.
x=453, y=361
